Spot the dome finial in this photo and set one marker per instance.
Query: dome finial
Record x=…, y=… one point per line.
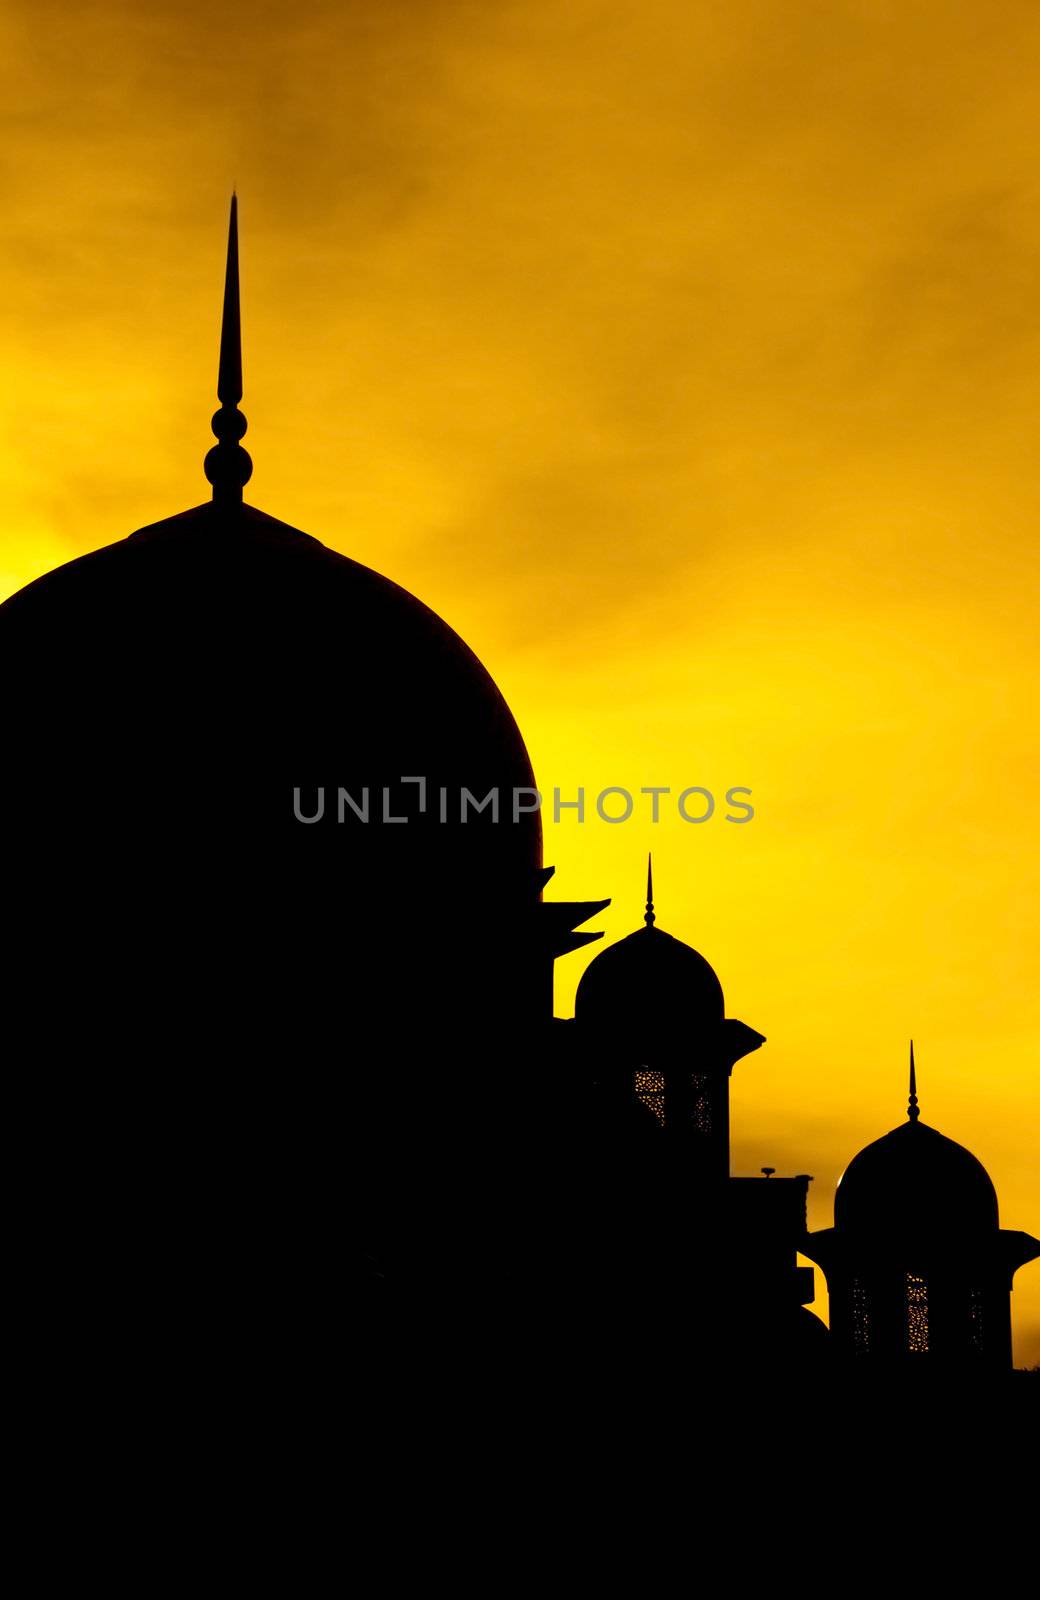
x=227, y=466
x=649, y=917
x=911, y=1110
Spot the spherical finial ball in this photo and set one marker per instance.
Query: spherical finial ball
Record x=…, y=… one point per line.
x=228, y=466
x=228, y=424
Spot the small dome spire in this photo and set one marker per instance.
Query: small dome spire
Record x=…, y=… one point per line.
x=649, y=917
x=912, y=1111
x=227, y=466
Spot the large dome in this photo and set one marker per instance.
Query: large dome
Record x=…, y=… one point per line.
x=257, y=799
x=915, y=1181
x=226, y=658
x=220, y=681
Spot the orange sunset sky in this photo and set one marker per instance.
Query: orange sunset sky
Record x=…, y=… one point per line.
x=684, y=356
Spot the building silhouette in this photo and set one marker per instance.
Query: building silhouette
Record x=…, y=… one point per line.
x=715, y=1254
x=282, y=979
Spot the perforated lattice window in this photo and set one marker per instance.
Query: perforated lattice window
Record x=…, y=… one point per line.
x=916, y=1314
x=649, y=1087
x=860, y=1318
x=700, y=1111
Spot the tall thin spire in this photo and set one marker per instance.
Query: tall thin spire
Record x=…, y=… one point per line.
x=912, y=1112
x=227, y=466
x=649, y=917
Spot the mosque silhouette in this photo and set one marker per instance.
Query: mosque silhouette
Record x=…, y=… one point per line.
x=287, y=986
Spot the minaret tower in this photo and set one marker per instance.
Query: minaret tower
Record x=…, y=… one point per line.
x=918, y=1267
x=651, y=1010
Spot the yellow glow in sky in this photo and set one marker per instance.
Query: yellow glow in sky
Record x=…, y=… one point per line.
x=685, y=357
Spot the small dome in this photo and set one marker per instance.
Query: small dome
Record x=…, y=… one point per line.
x=650, y=981
x=917, y=1182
